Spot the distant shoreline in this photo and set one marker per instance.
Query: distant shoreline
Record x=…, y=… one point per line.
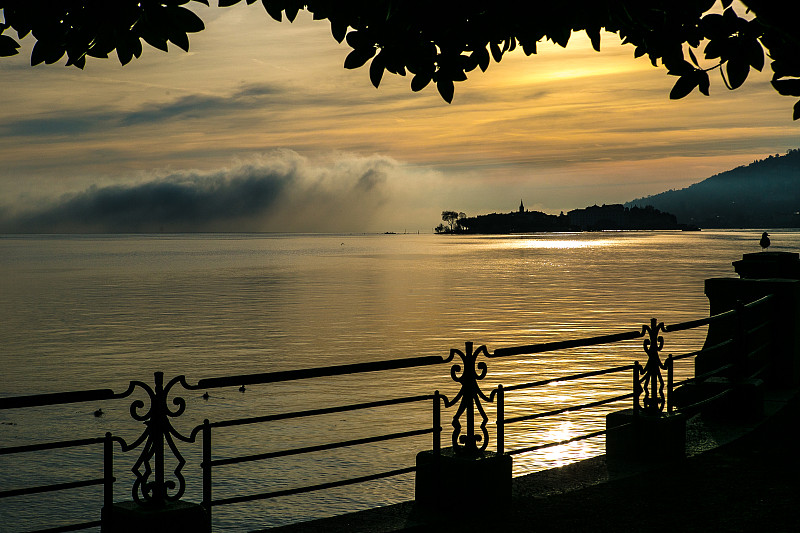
x=614, y=217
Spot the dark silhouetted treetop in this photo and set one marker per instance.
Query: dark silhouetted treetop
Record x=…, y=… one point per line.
x=451, y=217
x=441, y=41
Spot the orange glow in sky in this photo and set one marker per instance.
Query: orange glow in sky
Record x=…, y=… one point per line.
x=563, y=129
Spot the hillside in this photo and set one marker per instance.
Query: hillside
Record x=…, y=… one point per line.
x=763, y=194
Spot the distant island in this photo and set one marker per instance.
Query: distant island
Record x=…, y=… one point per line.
x=763, y=194
x=594, y=218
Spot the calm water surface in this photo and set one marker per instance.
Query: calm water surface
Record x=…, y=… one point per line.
x=85, y=312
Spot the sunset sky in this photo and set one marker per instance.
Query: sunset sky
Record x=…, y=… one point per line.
x=260, y=128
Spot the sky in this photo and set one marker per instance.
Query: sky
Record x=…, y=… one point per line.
x=260, y=128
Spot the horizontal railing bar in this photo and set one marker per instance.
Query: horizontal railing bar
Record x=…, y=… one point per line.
x=567, y=409
x=760, y=301
x=315, y=412
x=692, y=407
x=306, y=373
x=70, y=527
x=559, y=443
x=55, y=398
x=562, y=345
x=677, y=384
x=708, y=374
x=51, y=488
x=582, y=375
x=51, y=445
x=319, y=447
x=719, y=370
x=715, y=347
x=705, y=351
x=615, y=337
x=758, y=327
x=311, y=488
x=686, y=355
x=689, y=324
x=760, y=348
x=714, y=372
x=759, y=372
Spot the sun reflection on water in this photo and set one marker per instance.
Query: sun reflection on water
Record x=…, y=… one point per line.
x=552, y=241
x=566, y=453
x=548, y=241
x=549, y=244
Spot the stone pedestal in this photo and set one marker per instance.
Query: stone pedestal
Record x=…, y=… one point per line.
x=644, y=437
x=173, y=517
x=483, y=481
x=776, y=273
x=768, y=265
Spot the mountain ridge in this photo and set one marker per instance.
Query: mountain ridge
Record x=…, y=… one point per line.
x=764, y=193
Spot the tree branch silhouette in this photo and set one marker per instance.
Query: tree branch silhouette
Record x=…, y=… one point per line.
x=442, y=41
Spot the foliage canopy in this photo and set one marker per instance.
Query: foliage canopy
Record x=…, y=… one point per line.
x=441, y=41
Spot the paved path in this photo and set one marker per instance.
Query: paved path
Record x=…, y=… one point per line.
x=749, y=484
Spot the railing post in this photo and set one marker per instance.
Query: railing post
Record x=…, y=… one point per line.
x=669, y=363
x=646, y=432
x=153, y=507
x=653, y=381
x=206, y=465
x=108, y=482
x=482, y=477
x=157, y=428
x=469, y=400
x=437, y=423
x=740, y=349
x=500, y=420
x=637, y=388
x=469, y=386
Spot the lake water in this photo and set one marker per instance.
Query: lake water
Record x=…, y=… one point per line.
x=87, y=312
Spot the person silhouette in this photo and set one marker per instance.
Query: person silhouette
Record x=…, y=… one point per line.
x=764, y=242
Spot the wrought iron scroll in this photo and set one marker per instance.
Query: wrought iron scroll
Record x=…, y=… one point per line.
x=151, y=486
x=648, y=379
x=471, y=442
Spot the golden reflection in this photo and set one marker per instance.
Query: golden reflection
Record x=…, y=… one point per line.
x=564, y=244
x=566, y=453
x=556, y=244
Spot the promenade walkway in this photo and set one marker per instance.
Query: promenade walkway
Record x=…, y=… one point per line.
x=738, y=477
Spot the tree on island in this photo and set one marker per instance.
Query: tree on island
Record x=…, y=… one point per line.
x=452, y=218
x=440, y=42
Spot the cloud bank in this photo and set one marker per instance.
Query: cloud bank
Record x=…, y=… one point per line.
x=280, y=191
x=102, y=118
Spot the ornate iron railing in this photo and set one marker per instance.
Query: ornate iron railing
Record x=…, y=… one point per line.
x=650, y=394
x=107, y=480
x=209, y=463
x=154, y=486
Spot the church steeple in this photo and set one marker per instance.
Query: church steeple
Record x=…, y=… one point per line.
x=521, y=207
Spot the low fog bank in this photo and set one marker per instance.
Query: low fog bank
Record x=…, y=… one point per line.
x=281, y=191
